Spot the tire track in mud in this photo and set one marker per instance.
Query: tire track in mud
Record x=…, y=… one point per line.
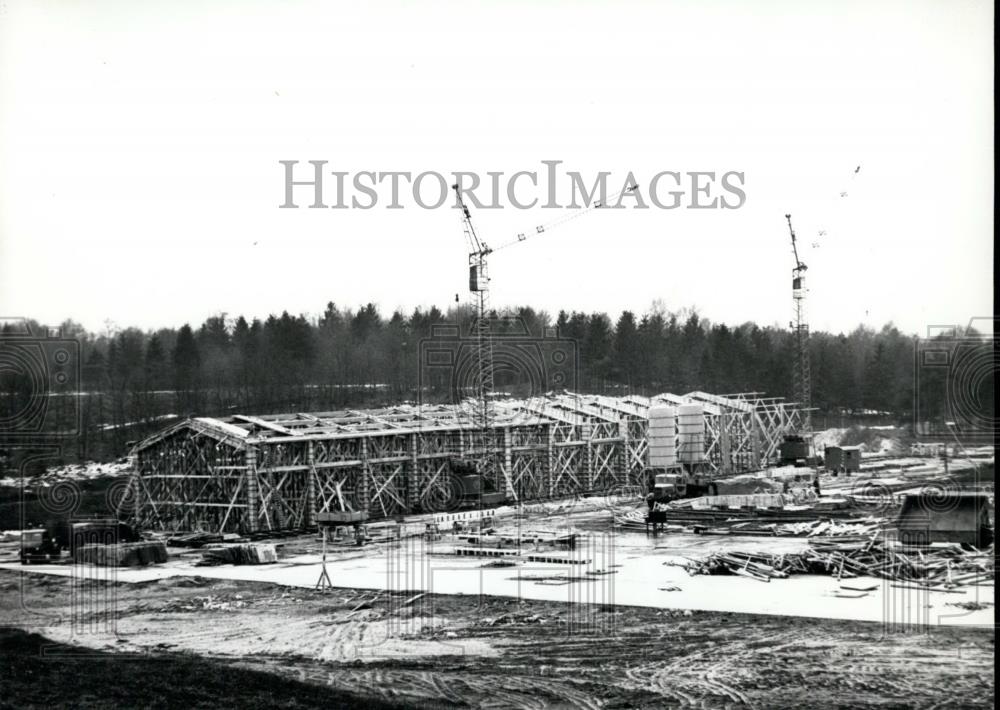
x=750, y=665
x=526, y=655
x=687, y=679
x=470, y=689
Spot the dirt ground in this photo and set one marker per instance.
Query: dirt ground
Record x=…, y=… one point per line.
x=488, y=652
x=35, y=672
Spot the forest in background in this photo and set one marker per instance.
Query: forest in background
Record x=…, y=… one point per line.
x=364, y=358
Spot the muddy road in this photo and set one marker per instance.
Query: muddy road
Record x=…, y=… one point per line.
x=454, y=651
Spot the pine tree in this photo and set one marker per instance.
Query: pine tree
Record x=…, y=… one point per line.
x=187, y=363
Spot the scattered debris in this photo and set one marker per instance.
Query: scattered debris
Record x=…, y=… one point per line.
x=500, y=563
x=551, y=578
x=971, y=606
x=194, y=540
x=414, y=598
x=868, y=588
x=789, y=522
x=939, y=567
x=257, y=553
x=126, y=554
x=848, y=595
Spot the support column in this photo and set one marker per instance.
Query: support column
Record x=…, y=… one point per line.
x=726, y=460
x=550, y=452
x=755, y=442
x=413, y=476
x=253, y=490
x=310, y=517
x=365, y=477
x=588, y=476
x=508, y=469
x=625, y=455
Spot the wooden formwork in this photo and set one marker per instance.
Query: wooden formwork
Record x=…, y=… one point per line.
x=248, y=474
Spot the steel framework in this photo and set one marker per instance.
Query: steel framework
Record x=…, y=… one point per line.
x=271, y=472
x=802, y=380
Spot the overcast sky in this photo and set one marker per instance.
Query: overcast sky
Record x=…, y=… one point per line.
x=139, y=149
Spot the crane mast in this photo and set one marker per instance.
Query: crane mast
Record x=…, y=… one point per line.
x=483, y=445
x=801, y=370
x=479, y=284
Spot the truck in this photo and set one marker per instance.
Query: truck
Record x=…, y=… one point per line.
x=47, y=544
x=473, y=489
x=797, y=450
x=666, y=485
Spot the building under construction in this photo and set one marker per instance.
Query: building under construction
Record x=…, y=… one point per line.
x=279, y=471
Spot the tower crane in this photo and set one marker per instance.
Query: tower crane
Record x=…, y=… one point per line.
x=479, y=281
x=479, y=288
x=798, y=447
x=803, y=380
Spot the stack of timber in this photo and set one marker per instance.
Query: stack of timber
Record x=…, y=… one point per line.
x=508, y=552
x=811, y=528
x=533, y=538
x=944, y=567
x=780, y=523
x=771, y=501
x=251, y=554
x=837, y=528
x=126, y=554
x=194, y=539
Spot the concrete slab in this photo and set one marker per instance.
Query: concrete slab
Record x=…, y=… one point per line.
x=639, y=574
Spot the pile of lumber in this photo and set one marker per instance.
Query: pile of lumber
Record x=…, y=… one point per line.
x=865, y=526
x=944, y=567
x=786, y=523
x=194, y=539
x=256, y=553
x=507, y=553
x=521, y=539
x=762, y=567
x=812, y=528
x=632, y=520
x=126, y=554
x=751, y=500
x=484, y=552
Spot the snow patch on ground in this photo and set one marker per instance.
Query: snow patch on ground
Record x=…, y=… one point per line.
x=828, y=437
x=871, y=440
x=72, y=472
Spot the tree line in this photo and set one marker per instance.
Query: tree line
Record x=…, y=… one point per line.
x=135, y=379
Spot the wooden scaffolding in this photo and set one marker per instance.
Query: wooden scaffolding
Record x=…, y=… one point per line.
x=274, y=472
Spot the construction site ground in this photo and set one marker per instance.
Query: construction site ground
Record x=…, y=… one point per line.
x=612, y=623
x=607, y=567
x=492, y=652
